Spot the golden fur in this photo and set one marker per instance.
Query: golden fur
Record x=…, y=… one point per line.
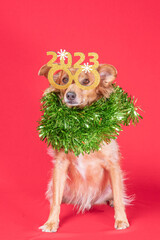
x=90, y=178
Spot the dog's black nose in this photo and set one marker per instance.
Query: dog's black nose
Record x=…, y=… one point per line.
x=71, y=95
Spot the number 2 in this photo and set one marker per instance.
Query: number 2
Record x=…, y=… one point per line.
x=82, y=58
x=54, y=54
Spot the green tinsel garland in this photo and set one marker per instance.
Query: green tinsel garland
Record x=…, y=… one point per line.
x=83, y=130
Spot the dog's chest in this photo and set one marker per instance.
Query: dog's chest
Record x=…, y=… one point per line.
x=81, y=166
x=87, y=182
x=86, y=167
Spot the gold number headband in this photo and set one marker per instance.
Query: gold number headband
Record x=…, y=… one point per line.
x=65, y=66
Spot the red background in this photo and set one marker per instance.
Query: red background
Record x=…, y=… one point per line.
x=124, y=34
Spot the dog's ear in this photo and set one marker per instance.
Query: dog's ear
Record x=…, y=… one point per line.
x=44, y=71
x=108, y=73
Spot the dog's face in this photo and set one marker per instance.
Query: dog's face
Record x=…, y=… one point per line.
x=73, y=95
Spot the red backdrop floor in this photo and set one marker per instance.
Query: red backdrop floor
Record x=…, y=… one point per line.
x=22, y=212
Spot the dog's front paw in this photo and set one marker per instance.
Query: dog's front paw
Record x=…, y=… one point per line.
x=49, y=226
x=121, y=224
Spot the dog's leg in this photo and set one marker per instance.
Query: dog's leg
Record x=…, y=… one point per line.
x=121, y=221
x=59, y=177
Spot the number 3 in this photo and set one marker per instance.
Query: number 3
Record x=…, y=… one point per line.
x=94, y=59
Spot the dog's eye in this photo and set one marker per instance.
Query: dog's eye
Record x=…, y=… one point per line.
x=65, y=80
x=85, y=81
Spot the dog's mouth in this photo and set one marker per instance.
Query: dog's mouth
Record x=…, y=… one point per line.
x=72, y=100
x=72, y=103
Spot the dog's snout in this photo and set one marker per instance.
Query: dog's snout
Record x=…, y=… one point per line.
x=71, y=95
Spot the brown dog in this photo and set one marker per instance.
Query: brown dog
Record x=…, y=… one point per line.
x=90, y=178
